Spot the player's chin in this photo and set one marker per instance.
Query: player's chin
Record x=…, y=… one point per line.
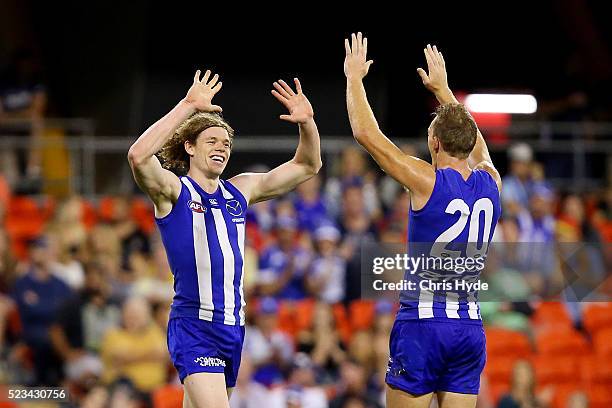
x=216, y=168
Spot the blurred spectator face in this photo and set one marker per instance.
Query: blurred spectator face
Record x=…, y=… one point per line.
x=353, y=377
x=70, y=211
x=121, y=209
x=577, y=400
x=284, y=208
x=354, y=403
x=352, y=203
x=95, y=283
x=41, y=252
x=520, y=156
x=540, y=204
x=267, y=319
x=574, y=208
x=522, y=375
x=285, y=232
x=136, y=314
x=310, y=188
x=95, y=398
x=302, y=373
x=327, y=239
x=353, y=163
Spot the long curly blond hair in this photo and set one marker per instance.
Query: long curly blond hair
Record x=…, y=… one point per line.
x=173, y=155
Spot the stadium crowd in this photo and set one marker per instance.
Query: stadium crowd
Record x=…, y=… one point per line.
x=85, y=292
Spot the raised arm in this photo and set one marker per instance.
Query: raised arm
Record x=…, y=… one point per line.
x=437, y=82
x=161, y=185
x=415, y=174
x=307, y=159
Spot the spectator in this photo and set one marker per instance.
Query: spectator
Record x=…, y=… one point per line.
x=577, y=399
x=309, y=205
x=270, y=349
x=522, y=389
x=323, y=342
x=326, y=279
x=80, y=326
x=137, y=351
x=517, y=184
x=23, y=101
x=303, y=390
x=283, y=266
x=356, y=228
x=252, y=394
x=353, y=390
x=353, y=171
x=38, y=296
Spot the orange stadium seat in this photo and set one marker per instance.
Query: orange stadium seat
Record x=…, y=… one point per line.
x=597, y=316
x=106, y=208
x=89, y=214
x=499, y=368
x=142, y=213
x=600, y=396
x=508, y=343
x=603, y=342
x=562, y=394
x=555, y=370
x=595, y=369
x=169, y=396
x=361, y=314
x=561, y=342
x=304, y=310
x=343, y=324
x=286, y=320
x=551, y=315
x=497, y=390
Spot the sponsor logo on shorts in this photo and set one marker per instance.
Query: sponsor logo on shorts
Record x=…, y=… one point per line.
x=209, y=362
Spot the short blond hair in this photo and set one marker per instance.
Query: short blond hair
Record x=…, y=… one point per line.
x=173, y=155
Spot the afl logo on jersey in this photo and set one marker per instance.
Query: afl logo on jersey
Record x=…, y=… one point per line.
x=196, y=207
x=233, y=207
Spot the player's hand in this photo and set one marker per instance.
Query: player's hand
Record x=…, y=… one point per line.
x=356, y=65
x=300, y=109
x=435, y=79
x=202, y=91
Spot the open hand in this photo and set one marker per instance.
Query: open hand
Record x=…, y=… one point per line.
x=356, y=65
x=202, y=91
x=435, y=80
x=300, y=110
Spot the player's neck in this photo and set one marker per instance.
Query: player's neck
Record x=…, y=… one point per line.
x=208, y=183
x=445, y=161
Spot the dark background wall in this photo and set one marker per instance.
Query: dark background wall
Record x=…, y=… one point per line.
x=127, y=63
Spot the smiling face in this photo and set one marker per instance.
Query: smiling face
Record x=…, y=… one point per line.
x=211, y=151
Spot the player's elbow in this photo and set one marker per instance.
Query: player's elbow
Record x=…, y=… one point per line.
x=134, y=156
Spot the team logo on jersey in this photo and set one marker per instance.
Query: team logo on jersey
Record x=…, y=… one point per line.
x=233, y=207
x=213, y=201
x=196, y=207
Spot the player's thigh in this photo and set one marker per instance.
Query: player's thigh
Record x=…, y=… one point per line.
x=448, y=399
x=206, y=390
x=400, y=399
x=229, y=391
x=186, y=402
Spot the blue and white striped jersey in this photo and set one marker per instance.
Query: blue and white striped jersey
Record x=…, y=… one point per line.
x=456, y=224
x=204, y=240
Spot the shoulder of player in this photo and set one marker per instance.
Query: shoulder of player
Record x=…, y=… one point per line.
x=489, y=168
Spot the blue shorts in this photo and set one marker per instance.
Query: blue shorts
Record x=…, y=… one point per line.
x=199, y=346
x=429, y=356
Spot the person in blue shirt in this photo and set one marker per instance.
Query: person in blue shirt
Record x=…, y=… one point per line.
x=38, y=296
x=284, y=266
